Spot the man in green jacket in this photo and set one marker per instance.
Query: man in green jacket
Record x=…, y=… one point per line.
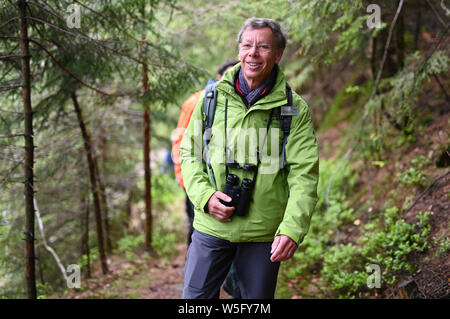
x=247, y=146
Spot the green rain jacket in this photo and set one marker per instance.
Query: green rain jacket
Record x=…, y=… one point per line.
x=283, y=199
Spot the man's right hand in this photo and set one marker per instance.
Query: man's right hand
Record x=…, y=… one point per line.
x=218, y=210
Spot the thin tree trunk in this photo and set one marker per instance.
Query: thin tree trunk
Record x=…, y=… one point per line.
x=104, y=210
x=94, y=186
x=148, y=175
x=44, y=242
x=104, y=202
x=128, y=208
x=85, y=232
x=30, y=268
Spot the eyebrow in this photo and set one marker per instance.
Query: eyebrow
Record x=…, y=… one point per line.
x=251, y=42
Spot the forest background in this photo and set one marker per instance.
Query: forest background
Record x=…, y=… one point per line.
x=90, y=95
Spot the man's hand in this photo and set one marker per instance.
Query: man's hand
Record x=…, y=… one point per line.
x=283, y=248
x=218, y=210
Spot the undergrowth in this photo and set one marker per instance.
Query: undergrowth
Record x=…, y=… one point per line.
x=332, y=263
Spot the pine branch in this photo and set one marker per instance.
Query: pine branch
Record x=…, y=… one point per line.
x=83, y=36
x=6, y=73
x=12, y=135
x=8, y=37
x=7, y=177
x=9, y=87
x=10, y=20
x=12, y=112
x=4, y=57
x=46, y=10
x=62, y=67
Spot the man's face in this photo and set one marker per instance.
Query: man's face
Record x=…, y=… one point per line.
x=258, y=54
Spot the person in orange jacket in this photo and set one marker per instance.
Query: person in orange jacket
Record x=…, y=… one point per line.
x=186, y=111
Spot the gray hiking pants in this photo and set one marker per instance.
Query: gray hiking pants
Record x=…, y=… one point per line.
x=208, y=262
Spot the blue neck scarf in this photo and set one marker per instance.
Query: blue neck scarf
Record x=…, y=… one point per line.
x=253, y=95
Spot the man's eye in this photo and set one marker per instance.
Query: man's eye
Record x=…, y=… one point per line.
x=264, y=47
x=246, y=46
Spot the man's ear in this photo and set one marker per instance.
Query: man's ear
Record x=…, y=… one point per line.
x=278, y=56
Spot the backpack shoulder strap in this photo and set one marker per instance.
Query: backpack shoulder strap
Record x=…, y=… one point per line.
x=209, y=109
x=288, y=94
x=209, y=105
x=286, y=113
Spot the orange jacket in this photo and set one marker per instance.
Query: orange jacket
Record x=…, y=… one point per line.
x=186, y=111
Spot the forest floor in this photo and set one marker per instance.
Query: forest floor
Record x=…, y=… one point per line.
x=151, y=277
x=142, y=278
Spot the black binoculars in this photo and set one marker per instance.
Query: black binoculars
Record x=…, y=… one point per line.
x=241, y=195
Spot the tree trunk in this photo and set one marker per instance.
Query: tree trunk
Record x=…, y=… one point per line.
x=148, y=175
x=30, y=268
x=104, y=210
x=94, y=186
x=128, y=208
x=85, y=233
x=104, y=202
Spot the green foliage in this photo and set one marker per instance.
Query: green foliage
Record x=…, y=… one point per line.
x=83, y=259
x=165, y=190
x=129, y=244
x=350, y=95
x=401, y=91
x=309, y=259
x=415, y=175
x=343, y=269
x=390, y=245
x=386, y=240
x=341, y=20
x=351, y=39
x=393, y=105
x=443, y=245
x=164, y=242
x=338, y=212
x=44, y=289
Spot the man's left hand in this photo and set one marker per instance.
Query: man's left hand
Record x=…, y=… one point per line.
x=283, y=248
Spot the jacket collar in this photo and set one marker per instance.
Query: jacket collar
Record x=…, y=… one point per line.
x=248, y=96
x=275, y=98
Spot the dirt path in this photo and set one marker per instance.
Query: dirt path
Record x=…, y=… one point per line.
x=143, y=278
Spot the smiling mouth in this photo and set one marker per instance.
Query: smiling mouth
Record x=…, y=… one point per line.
x=253, y=65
